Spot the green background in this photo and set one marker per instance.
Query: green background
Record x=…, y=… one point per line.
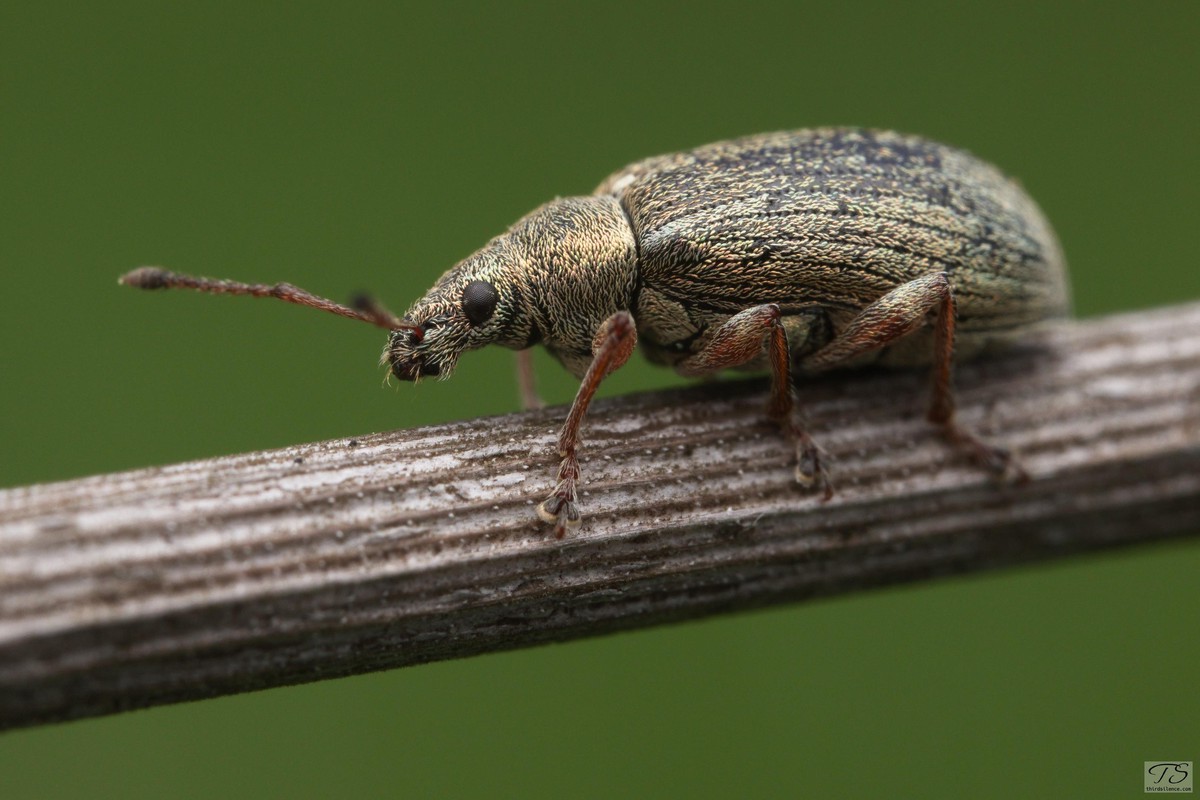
x=375, y=145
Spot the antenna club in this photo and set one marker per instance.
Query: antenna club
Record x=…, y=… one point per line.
x=147, y=278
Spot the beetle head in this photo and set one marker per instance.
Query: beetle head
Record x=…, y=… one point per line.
x=474, y=304
x=552, y=278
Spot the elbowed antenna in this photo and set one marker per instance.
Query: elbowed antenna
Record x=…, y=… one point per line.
x=366, y=310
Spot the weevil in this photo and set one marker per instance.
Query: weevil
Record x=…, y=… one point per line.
x=794, y=252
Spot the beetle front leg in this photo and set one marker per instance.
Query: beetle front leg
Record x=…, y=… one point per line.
x=611, y=347
x=894, y=316
x=743, y=338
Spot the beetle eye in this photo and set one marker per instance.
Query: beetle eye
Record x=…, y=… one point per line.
x=479, y=301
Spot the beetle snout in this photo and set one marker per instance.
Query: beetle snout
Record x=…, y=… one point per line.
x=409, y=369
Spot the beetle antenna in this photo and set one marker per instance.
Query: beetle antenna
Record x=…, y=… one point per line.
x=366, y=309
x=367, y=304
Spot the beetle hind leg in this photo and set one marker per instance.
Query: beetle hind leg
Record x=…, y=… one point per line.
x=894, y=316
x=743, y=338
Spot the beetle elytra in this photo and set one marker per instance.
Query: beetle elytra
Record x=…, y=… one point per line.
x=795, y=252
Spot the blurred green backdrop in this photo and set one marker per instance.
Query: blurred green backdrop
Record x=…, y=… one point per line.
x=372, y=147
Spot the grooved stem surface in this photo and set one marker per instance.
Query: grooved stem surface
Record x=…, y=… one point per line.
x=320, y=560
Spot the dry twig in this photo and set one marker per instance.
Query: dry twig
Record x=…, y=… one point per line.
x=256, y=570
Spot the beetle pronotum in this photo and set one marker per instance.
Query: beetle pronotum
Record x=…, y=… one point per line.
x=797, y=252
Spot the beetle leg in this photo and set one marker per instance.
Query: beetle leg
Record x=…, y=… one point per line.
x=527, y=381
x=894, y=316
x=611, y=347
x=743, y=338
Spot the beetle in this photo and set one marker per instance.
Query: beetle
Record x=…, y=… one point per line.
x=796, y=252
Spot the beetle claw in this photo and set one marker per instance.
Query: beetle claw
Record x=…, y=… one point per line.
x=810, y=469
x=810, y=473
x=560, y=509
x=997, y=460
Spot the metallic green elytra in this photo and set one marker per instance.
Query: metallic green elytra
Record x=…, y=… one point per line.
x=796, y=251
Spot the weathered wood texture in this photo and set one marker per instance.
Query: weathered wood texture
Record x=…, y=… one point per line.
x=238, y=573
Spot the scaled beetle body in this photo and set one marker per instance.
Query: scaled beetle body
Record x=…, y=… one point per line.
x=823, y=223
x=795, y=251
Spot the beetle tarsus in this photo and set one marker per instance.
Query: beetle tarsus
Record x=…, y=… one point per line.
x=810, y=469
x=561, y=508
x=996, y=460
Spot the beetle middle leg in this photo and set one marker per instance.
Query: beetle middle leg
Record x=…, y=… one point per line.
x=743, y=338
x=611, y=348
x=894, y=316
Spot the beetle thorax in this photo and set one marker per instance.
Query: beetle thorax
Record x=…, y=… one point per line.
x=578, y=266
